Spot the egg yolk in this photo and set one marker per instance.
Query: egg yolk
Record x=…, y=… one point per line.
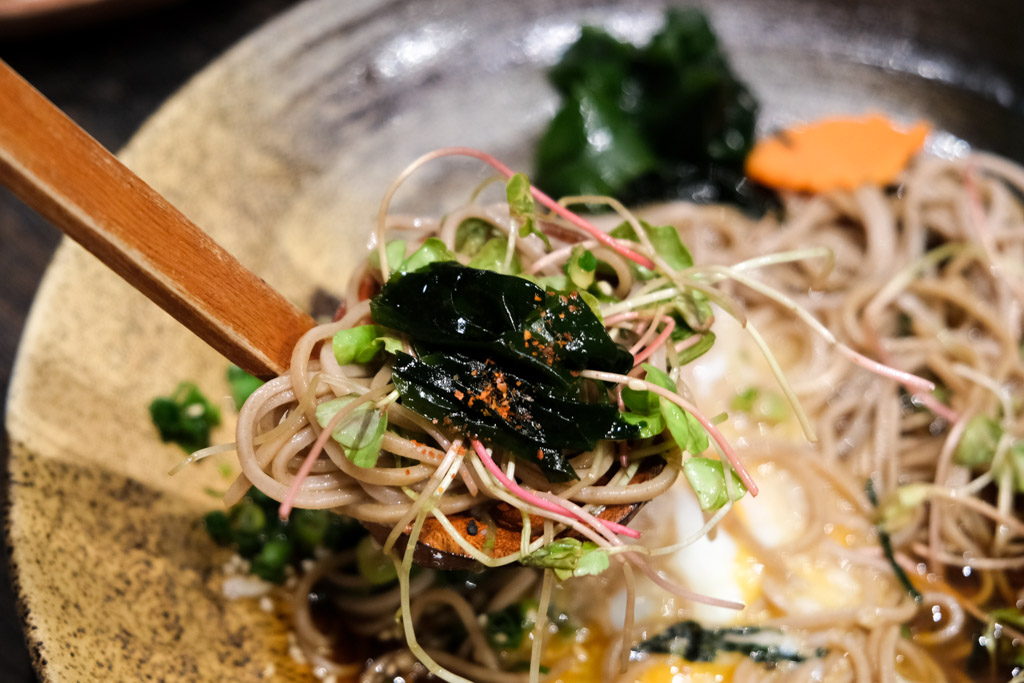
x=669, y=669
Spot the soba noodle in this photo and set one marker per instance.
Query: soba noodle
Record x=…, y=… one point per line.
x=925, y=277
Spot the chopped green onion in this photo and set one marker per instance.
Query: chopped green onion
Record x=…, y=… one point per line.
x=218, y=526
x=374, y=564
x=272, y=560
x=186, y=417
x=242, y=384
x=356, y=344
x=308, y=528
x=472, y=234
x=506, y=629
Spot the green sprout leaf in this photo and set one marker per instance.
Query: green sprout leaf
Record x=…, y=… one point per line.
x=360, y=433
x=431, y=251
x=688, y=433
x=491, y=256
x=665, y=240
x=357, y=344
x=395, y=251
x=472, y=234
x=569, y=557
x=692, y=353
x=707, y=478
x=581, y=267
x=521, y=207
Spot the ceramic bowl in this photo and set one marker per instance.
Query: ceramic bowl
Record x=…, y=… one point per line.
x=282, y=150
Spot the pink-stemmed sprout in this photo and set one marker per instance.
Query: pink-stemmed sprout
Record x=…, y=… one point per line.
x=537, y=501
x=719, y=438
x=573, y=218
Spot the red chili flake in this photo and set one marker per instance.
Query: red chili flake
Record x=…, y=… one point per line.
x=561, y=316
x=540, y=454
x=459, y=395
x=536, y=297
x=527, y=335
x=408, y=471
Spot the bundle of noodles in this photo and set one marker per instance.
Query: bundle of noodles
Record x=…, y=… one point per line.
x=925, y=278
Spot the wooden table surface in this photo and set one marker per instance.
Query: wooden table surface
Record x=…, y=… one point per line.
x=108, y=77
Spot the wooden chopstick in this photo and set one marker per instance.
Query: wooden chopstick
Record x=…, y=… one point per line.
x=60, y=171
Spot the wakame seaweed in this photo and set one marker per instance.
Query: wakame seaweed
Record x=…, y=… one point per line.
x=546, y=334
x=666, y=120
x=496, y=360
x=696, y=643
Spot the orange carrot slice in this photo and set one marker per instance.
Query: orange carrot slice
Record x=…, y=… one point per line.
x=835, y=153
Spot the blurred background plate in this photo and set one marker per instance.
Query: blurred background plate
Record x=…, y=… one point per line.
x=281, y=150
